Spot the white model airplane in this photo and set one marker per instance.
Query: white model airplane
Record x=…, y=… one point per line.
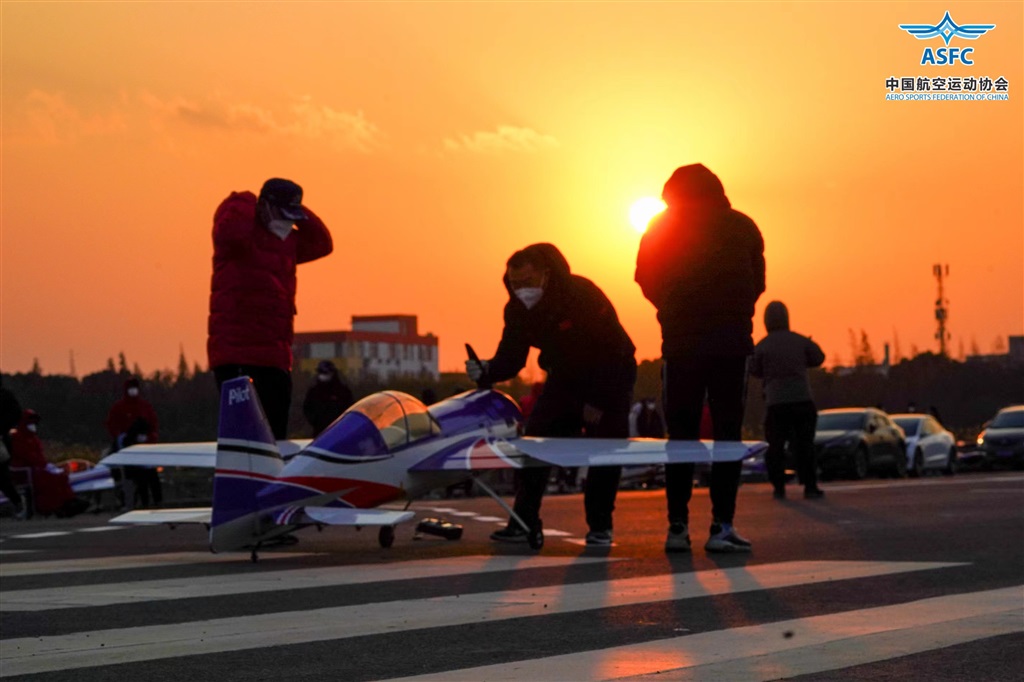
x=388, y=446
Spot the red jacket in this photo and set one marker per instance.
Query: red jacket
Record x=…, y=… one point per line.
x=252, y=297
x=124, y=413
x=26, y=447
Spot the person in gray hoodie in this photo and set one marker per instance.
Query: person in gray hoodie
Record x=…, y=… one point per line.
x=781, y=360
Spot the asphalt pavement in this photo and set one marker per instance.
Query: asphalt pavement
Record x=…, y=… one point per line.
x=880, y=580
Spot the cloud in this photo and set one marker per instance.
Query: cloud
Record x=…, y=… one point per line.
x=506, y=139
x=49, y=118
x=52, y=120
x=302, y=119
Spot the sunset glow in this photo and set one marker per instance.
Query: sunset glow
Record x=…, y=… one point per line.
x=434, y=144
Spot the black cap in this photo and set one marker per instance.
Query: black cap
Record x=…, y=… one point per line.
x=285, y=196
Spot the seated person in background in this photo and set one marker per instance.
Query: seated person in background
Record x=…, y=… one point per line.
x=51, y=490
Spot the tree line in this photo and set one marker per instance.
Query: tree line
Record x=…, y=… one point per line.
x=73, y=410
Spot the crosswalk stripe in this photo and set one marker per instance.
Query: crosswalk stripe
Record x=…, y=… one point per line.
x=36, y=536
x=43, y=654
x=112, y=563
x=764, y=652
x=270, y=581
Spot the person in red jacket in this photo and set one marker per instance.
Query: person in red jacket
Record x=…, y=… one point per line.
x=133, y=420
x=257, y=243
x=125, y=411
x=51, y=491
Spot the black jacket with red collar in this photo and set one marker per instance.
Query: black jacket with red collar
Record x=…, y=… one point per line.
x=582, y=344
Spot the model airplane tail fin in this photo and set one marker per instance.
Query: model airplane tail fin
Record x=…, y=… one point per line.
x=247, y=460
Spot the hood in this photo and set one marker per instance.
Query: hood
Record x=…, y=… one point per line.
x=27, y=417
x=838, y=434
x=551, y=258
x=238, y=206
x=776, y=317
x=695, y=186
x=130, y=383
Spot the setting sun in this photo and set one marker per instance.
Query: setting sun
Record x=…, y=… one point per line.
x=642, y=210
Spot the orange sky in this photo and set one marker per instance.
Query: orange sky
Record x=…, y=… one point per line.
x=436, y=139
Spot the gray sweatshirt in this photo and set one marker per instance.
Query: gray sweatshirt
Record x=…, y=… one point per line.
x=781, y=359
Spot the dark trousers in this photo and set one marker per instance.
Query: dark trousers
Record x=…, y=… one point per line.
x=687, y=381
x=273, y=386
x=559, y=414
x=792, y=423
x=7, y=485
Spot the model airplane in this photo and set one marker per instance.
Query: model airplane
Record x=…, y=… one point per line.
x=387, y=447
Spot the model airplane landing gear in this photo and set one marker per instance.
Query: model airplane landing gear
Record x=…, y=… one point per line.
x=386, y=536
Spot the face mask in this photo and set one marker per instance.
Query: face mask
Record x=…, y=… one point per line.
x=323, y=377
x=650, y=406
x=282, y=228
x=529, y=295
x=31, y=427
x=133, y=392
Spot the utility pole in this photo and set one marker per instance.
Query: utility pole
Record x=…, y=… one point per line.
x=941, y=311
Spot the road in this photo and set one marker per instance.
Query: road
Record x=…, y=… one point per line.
x=881, y=580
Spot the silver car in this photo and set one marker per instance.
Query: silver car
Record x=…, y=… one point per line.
x=930, y=446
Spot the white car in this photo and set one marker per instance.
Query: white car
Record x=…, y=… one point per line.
x=930, y=446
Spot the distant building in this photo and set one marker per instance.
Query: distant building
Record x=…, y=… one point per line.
x=1013, y=355
x=379, y=346
x=1017, y=348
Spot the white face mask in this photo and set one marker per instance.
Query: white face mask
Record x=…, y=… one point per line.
x=323, y=377
x=282, y=228
x=133, y=392
x=31, y=427
x=529, y=295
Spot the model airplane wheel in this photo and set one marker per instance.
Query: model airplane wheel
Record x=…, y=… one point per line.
x=386, y=536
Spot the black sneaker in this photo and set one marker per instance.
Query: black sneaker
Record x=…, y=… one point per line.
x=513, y=534
x=725, y=539
x=814, y=494
x=779, y=493
x=599, y=538
x=678, y=538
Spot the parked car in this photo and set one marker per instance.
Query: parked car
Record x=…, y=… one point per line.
x=1002, y=441
x=859, y=440
x=930, y=446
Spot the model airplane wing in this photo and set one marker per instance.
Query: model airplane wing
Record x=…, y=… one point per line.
x=496, y=453
x=171, y=516
x=200, y=455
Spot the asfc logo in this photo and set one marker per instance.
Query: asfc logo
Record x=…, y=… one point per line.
x=947, y=29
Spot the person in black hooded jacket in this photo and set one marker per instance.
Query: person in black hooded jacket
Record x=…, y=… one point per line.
x=701, y=263
x=591, y=369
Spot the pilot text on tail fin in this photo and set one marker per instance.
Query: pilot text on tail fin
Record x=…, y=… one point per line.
x=247, y=460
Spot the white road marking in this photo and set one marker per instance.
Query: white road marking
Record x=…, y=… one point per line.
x=4, y=552
x=764, y=652
x=111, y=563
x=34, y=536
x=488, y=519
x=21, y=656
x=266, y=581
x=100, y=529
